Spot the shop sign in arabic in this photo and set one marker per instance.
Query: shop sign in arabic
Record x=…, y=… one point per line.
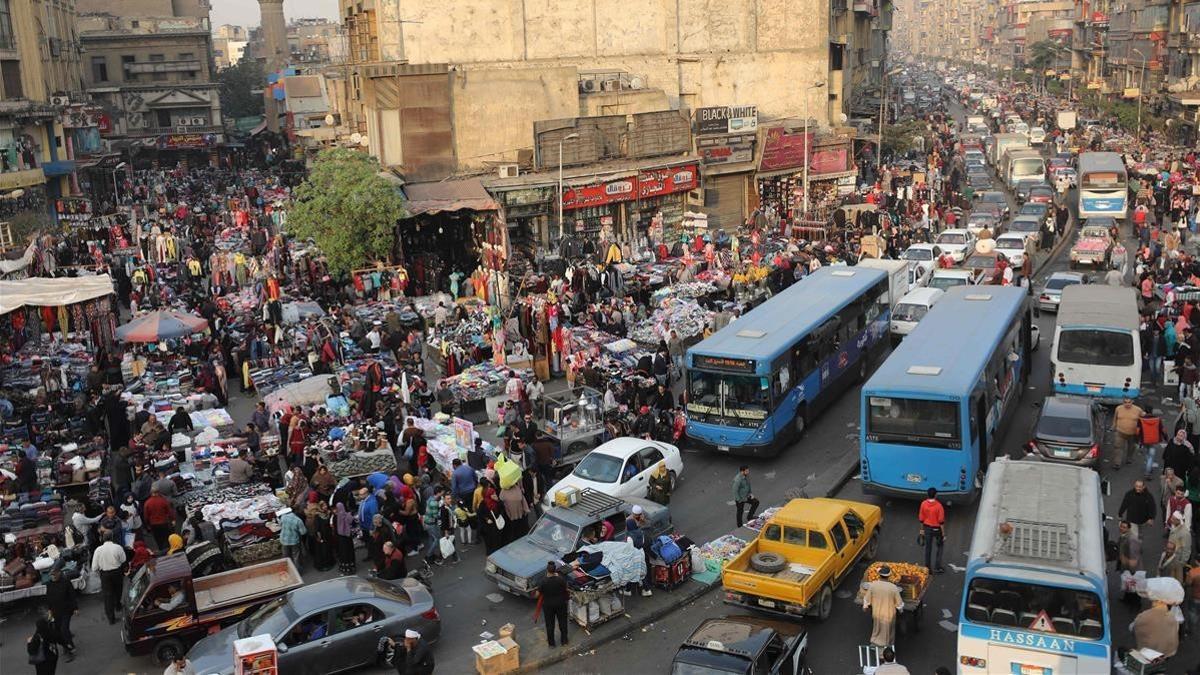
x=726, y=149
x=726, y=119
x=658, y=182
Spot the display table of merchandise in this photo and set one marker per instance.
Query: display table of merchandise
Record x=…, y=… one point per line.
x=482, y=380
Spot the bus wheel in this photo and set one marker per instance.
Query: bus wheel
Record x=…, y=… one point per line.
x=167, y=650
x=800, y=423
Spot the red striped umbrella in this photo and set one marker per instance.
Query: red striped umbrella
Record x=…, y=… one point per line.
x=161, y=325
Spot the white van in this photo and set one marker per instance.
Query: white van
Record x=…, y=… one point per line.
x=911, y=309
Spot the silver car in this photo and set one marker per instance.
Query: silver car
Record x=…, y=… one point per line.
x=327, y=627
x=1051, y=294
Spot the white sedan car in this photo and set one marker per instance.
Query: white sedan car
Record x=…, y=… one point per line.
x=924, y=256
x=957, y=242
x=621, y=468
x=1013, y=246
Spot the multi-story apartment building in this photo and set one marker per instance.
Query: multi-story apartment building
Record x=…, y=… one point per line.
x=229, y=45
x=151, y=68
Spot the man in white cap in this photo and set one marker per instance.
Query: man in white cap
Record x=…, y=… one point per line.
x=883, y=599
x=633, y=530
x=411, y=657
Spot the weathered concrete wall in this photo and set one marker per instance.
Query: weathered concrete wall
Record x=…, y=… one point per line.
x=698, y=52
x=623, y=102
x=494, y=109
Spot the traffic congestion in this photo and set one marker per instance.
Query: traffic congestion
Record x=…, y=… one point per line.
x=955, y=430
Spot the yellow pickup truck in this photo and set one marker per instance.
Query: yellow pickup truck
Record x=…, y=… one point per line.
x=802, y=553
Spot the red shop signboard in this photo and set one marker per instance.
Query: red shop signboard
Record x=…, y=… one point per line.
x=783, y=149
x=829, y=160
x=658, y=182
x=599, y=194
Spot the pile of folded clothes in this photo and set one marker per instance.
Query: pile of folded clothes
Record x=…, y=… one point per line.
x=270, y=375
x=32, y=511
x=200, y=498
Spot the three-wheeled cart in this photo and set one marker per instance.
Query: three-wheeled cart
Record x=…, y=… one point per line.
x=573, y=422
x=912, y=591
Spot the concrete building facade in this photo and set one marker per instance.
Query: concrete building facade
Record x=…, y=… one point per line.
x=152, y=71
x=47, y=129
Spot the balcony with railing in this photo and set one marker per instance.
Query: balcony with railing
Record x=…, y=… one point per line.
x=178, y=66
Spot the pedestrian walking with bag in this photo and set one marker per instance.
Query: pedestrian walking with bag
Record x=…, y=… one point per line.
x=553, y=595
x=882, y=598
x=60, y=599
x=42, y=648
x=742, y=494
x=932, y=516
x=447, y=524
x=1125, y=423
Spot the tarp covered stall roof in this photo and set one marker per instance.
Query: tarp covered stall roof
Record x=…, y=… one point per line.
x=450, y=195
x=52, y=292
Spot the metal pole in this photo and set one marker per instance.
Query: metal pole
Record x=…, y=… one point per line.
x=1141, y=85
x=807, y=143
x=560, y=193
x=882, y=115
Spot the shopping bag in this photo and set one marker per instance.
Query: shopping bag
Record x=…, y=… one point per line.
x=507, y=471
x=446, y=546
x=500, y=522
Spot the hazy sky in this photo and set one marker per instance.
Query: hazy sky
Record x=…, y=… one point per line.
x=245, y=12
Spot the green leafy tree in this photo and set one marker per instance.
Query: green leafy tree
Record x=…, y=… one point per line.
x=1042, y=55
x=241, y=89
x=901, y=137
x=348, y=209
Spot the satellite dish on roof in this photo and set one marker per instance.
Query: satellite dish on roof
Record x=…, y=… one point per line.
x=356, y=138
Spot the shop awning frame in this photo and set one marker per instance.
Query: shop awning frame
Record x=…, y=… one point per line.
x=52, y=291
x=445, y=196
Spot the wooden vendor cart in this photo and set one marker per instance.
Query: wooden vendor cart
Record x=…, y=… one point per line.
x=913, y=581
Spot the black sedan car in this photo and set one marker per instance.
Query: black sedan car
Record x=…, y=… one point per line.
x=328, y=626
x=743, y=644
x=1068, y=430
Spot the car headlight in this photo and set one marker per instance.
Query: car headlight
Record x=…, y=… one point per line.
x=490, y=567
x=521, y=582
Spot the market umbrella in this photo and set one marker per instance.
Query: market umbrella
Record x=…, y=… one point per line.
x=161, y=325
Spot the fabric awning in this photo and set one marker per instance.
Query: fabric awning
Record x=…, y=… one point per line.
x=467, y=194
x=259, y=129
x=52, y=292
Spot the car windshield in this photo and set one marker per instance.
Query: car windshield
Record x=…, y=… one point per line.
x=1095, y=347
x=946, y=282
x=1013, y=244
x=1023, y=225
x=554, y=535
x=917, y=254
x=1059, y=283
x=952, y=238
x=913, y=421
x=1034, y=209
x=270, y=619
x=1092, y=231
x=599, y=468
x=907, y=311
x=981, y=261
x=138, y=585
x=712, y=662
x=1052, y=426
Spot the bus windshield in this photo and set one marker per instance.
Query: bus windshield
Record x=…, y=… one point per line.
x=720, y=396
x=1095, y=347
x=998, y=602
x=914, y=421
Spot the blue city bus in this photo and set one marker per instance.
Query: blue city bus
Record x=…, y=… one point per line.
x=931, y=413
x=1035, y=597
x=756, y=384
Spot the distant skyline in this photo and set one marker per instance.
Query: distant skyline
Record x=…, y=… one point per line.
x=245, y=12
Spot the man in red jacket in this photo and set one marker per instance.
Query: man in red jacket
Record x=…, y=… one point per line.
x=160, y=517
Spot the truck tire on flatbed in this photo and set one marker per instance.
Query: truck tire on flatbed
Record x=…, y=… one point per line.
x=768, y=563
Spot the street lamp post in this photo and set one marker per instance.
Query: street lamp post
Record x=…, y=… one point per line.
x=1141, y=85
x=807, y=145
x=568, y=137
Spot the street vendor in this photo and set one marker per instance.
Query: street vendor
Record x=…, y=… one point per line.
x=882, y=598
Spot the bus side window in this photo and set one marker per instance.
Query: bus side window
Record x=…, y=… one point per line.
x=803, y=360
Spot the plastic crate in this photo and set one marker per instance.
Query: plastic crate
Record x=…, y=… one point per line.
x=671, y=575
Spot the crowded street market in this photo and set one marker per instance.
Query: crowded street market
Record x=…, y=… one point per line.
x=224, y=451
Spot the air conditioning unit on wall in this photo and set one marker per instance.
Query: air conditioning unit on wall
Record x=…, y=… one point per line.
x=60, y=101
x=198, y=121
x=508, y=170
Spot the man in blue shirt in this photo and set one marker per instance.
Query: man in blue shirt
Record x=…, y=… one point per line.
x=367, y=509
x=462, y=483
x=30, y=450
